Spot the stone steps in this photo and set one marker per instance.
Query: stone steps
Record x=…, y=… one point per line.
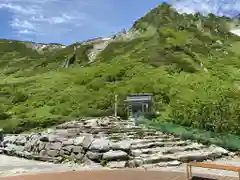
x=159, y=144
x=162, y=164
x=150, y=137
x=146, y=141
x=139, y=131
x=200, y=155
x=167, y=150
x=108, y=142
x=181, y=156
x=106, y=130
x=123, y=123
x=94, y=122
x=128, y=129
x=133, y=138
x=156, y=158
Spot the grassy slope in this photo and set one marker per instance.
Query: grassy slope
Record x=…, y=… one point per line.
x=164, y=60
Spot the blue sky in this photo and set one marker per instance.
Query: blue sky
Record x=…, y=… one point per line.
x=68, y=21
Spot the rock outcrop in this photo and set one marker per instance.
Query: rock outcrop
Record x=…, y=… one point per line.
x=109, y=142
x=99, y=44
x=40, y=47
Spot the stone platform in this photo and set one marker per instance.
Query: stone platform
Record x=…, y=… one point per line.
x=108, y=142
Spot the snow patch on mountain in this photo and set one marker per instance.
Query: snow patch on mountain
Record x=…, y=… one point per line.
x=236, y=31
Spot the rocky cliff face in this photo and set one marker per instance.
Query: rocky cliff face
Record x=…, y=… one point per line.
x=108, y=142
x=99, y=44
x=43, y=47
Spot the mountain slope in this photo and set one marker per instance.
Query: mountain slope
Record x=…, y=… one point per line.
x=190, y=63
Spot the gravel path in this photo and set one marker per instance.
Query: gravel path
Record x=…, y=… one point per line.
x=11, y=166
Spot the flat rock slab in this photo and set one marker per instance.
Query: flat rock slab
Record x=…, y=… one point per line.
x=116, y=164
x=115, y=155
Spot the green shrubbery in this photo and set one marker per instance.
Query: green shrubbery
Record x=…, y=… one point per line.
x=3, y=114
x=168, y=62
x=213, y=109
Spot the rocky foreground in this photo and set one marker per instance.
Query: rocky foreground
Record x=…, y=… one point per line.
x=108, y=142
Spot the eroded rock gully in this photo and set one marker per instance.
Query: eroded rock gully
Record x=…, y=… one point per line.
x=109, y=142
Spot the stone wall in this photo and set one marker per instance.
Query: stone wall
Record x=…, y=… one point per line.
x=108, y=142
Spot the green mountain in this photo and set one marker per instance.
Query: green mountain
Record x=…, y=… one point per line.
x=190, y=62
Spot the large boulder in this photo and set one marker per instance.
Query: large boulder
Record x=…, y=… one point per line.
x=41, y=145
x=100, y=145
x=52, y=153
x=91, y=123
x=53, y=146
x=53, y=138
x=9, y=139
x=84, y=141
x=12, y=148
x=157, y=158
x=122, y=145
x=68, y=148
x=218, y=150
x=115, y=155
x=77, y=149
x=95, y=156
x=77, y=157
x=21, y=140
x=68, y=142
x=195, y=156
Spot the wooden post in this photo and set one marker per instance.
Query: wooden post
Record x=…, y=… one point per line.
x=115, y=109
x=75, y=54
x=190, y=171
x=130, y=113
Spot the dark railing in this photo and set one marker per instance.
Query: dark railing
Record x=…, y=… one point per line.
x=228, y=141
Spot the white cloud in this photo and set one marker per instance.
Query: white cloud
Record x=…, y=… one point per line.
x=22, y=24
x=25, y=31
x=73, y=20
x=17, y=8
x=228, y=8
x=58, y=20
x=218, y=7
x=48, y=19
